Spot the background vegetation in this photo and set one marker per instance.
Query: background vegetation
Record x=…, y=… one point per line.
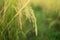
x=29, y=19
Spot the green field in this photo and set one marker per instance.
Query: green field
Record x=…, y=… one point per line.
x=29, y=19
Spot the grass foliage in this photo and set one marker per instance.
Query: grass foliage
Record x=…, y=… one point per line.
x=29, y=20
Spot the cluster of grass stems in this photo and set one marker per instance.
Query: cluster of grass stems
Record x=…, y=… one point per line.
x=13, y=16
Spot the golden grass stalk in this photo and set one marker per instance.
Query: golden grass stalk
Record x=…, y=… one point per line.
x=21, y=5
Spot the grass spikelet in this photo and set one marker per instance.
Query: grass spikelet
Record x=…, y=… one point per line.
x=13, y=10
